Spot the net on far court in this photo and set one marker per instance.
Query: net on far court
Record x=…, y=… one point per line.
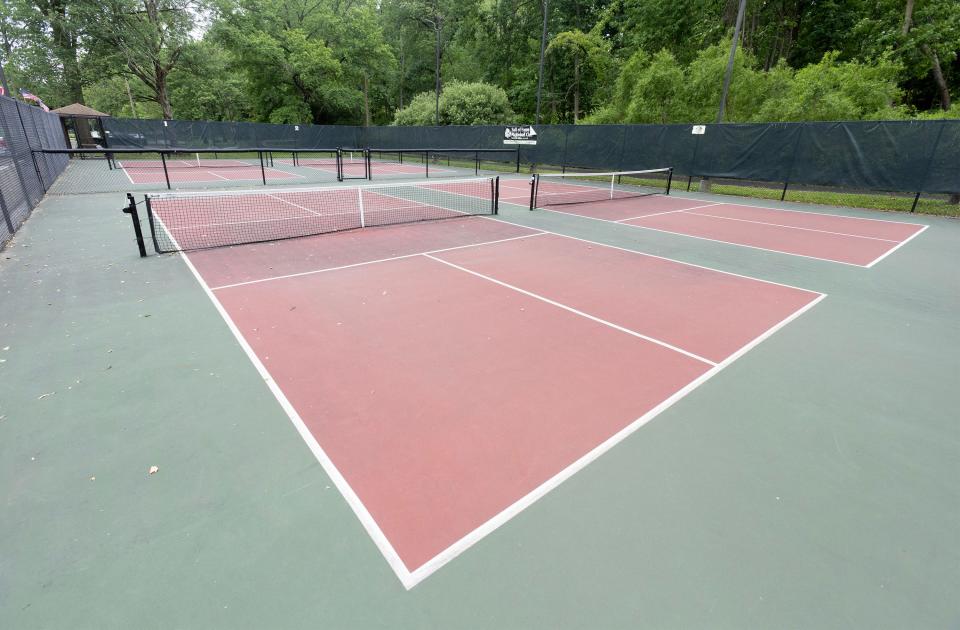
x=198, y=220
x=185, y=160
x=558, y=189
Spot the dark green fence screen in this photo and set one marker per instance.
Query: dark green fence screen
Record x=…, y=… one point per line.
x=906, y=156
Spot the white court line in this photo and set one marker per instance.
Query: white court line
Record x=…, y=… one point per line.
x=648, y=255
x=124, y=169
x=577, y=312
x=215, y=174
x=431, y=566
x=372, y=262
x=904, y=242
x=792, y=227
x=704, y=238
x=657, y=214
x=822, y=214
x=297, y=205
x=366, y=520
x=410, y=579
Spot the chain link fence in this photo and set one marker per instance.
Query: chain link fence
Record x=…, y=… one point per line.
x=24, y=175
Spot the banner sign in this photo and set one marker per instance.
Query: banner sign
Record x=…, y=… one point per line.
x=519, y=134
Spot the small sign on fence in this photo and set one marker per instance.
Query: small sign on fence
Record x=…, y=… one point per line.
x=519, y=134
x=699, y=130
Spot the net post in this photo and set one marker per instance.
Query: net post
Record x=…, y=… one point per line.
x=669, y=179
x=150, y=222
x=368, y=164
x=263, y=171
x=534, y=180
x=131, y=209
x=476, y=162
x=518, y=160
x=166, y=174
x=496, y=195
x=783, y=193
x=426, y=161
x=363, y=221
x=916, y=199
x=339, y=159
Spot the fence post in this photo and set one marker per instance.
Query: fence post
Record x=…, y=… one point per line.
x=926, y=172
x=793, y=160
x=6, y=213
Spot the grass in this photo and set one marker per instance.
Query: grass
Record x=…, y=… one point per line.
x=876, y=201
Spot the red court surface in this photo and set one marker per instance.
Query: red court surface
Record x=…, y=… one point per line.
x=448, y=374
x=849, y=240
x=152, y=175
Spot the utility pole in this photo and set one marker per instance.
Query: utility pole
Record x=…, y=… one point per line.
x=543, y=47
x=704, y=182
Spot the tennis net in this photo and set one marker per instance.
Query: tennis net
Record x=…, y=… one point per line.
x=175, y=160
x=199, y=220
x=557, y=189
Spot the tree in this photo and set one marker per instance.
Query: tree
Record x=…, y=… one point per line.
x=147, y=37
x=438, y=16
x=579, y=63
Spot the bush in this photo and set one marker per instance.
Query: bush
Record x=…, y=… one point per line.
x=460, y=104
x=420, y=111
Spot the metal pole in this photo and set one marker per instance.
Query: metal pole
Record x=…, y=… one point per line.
x=543, y=48
x=436, y=29
x=131, y=209
x=733, y=52
x=166, y=174
x=705, y=182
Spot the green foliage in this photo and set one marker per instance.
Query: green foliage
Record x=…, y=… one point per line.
x=659, y=89
x=420, y=111
x=830, y=90
x=460, y=104
x=358, y=61
x=578, y=65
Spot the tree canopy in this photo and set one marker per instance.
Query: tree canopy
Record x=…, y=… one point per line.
x=390, y=61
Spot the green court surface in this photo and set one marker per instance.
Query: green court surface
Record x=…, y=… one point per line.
x=810, y=484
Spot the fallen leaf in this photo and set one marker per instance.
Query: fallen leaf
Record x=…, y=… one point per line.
x=42, y=396
x=154, y=469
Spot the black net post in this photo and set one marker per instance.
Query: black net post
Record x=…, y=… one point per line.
x=426, y=161
x=166, y=174
x=151, y=223
x=669, y=179
x=518, y=161
x=534, y=180
x=496, y=195
x=263, y=171
x=131, y=209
